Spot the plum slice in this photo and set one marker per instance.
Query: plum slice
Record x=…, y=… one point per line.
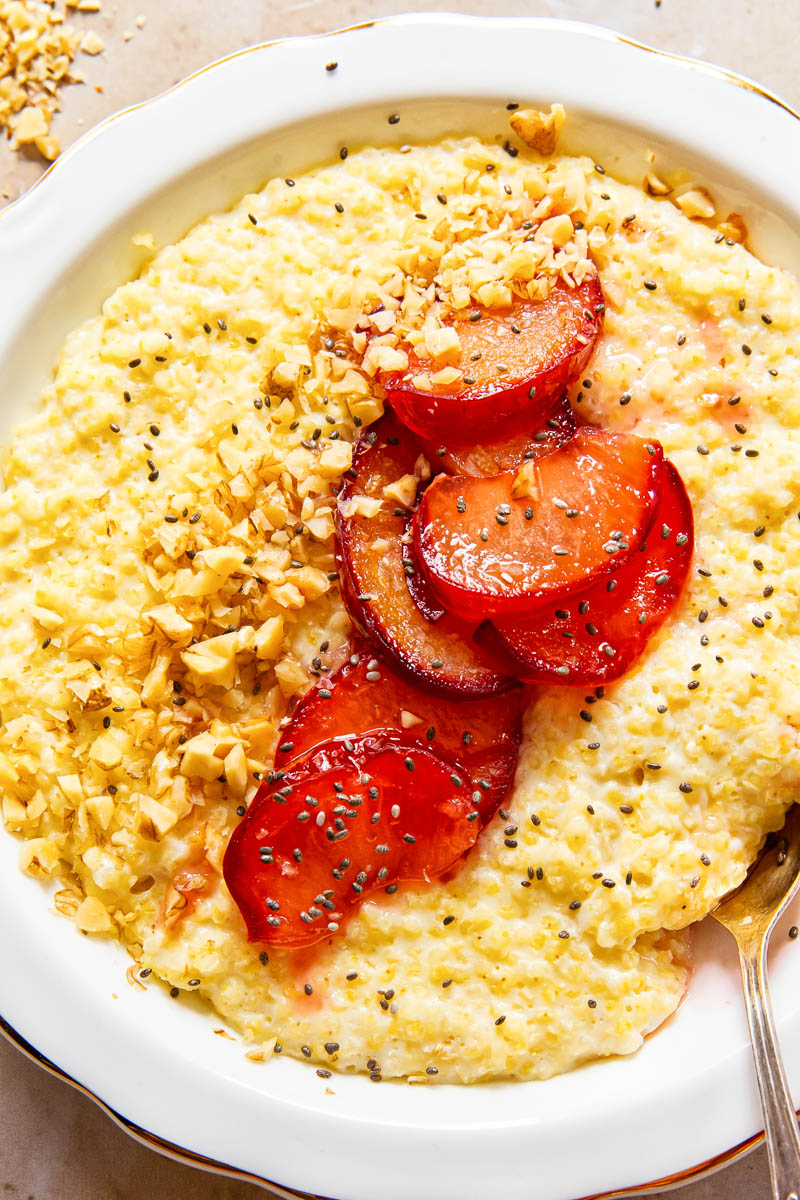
x=377, y=575
x=512, y=363
x=364, y=695
x=507, y=545
x=600, y=633
x=353, y=817
x=547, y=432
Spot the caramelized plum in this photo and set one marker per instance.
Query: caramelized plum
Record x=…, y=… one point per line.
x=364, y=695
x=512, y=363
x=377, y=574
x=353, y=817
x=507, y=545
x=599, y=634
x=547, y=433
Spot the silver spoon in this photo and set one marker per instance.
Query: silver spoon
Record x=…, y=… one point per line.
x=750, y=914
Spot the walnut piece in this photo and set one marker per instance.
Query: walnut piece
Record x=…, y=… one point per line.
x=734, y=228
x=539, y=130
x=655, y=186
x=37, y=50
x=697, y=204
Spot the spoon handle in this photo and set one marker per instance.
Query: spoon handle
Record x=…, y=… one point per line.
x=780, y=1121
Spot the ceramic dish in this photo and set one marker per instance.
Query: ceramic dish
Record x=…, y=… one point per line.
x=686, y=1102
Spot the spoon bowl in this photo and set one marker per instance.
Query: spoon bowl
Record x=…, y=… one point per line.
x=749, y=913
x=753, y=908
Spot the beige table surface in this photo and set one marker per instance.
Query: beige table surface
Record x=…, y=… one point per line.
x=54, y=1143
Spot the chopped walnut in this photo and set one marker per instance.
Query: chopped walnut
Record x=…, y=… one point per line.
x=527, y=483
x=92, y=916
x=697, y=204
x=539, y=130
x=734, y=228
x=92, y=44
x=267, y=638
x=156, y=819
x=655, y=186
x=200, y=759
x=403, y=490
x=37, y=50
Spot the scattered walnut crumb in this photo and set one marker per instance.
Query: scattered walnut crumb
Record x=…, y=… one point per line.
x=30, y=125
x=37, y=50
x=92, y=44
x=539, y=130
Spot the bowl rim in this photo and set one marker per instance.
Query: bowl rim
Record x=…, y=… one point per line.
x=587, y=28
x=189, y=1158
x=40, y=193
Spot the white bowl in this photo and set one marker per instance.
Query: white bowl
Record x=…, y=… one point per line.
x=686, y=1102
